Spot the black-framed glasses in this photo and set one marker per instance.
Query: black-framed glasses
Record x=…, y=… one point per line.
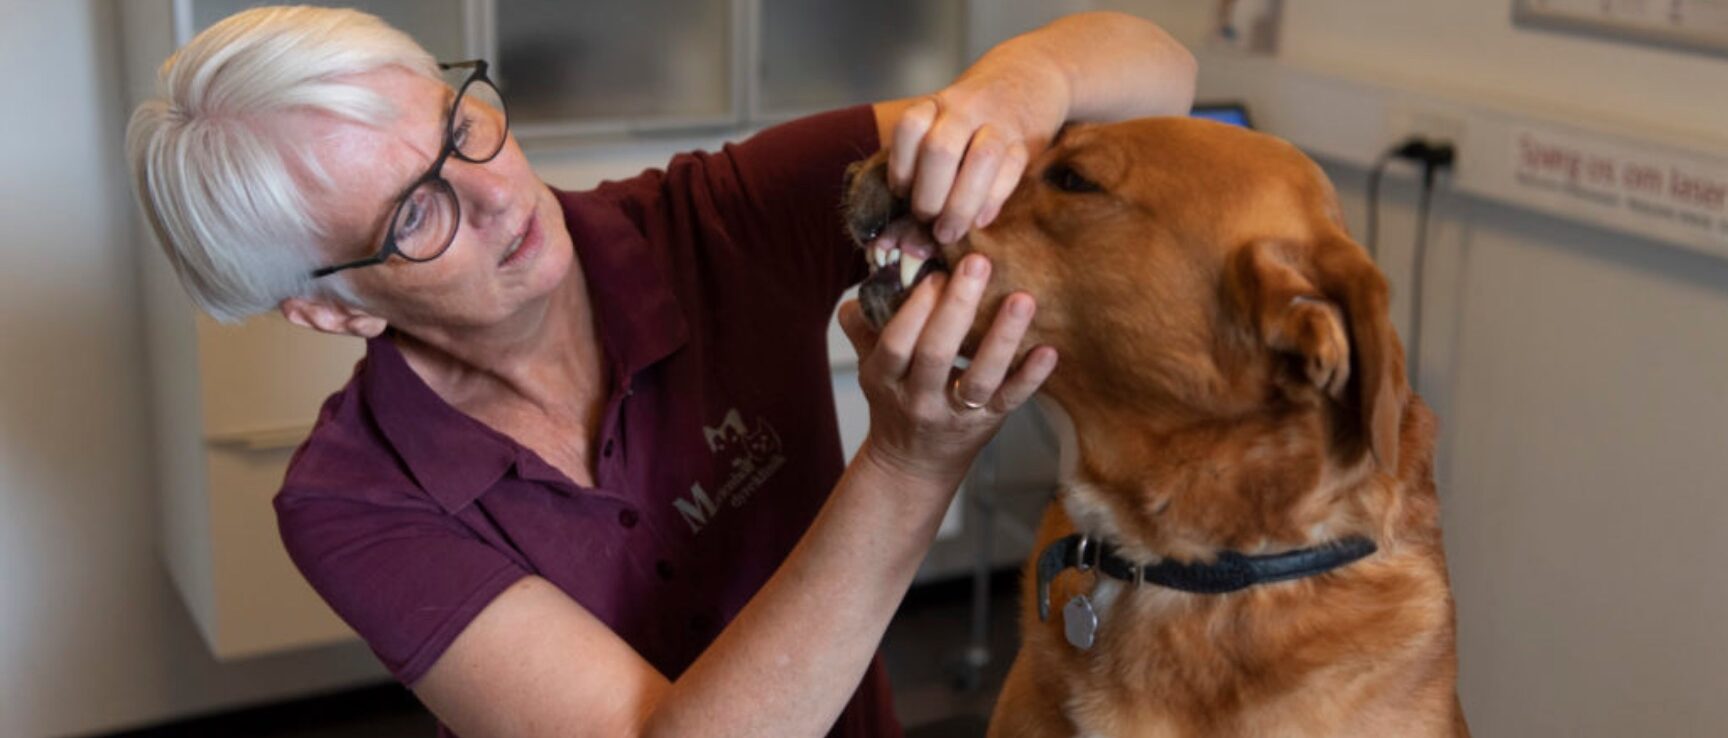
x=425, y=220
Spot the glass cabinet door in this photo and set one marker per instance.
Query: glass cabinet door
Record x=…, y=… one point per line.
x=610, y=66
x=819, y=54
x=437, y=24
x=573, y=67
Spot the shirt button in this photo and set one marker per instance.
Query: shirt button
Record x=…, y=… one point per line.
x=664, y=569
x=627, y=518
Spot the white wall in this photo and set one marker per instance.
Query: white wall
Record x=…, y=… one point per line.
x=1581, y=379
x=92, y=637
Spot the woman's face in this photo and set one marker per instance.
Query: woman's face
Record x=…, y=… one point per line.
x=472, y=284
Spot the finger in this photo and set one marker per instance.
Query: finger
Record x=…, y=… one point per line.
x=857, y=329
x=938, y=163
x=909, y=133
x=1007, y=178
x=972, y=186
x=1038, y=365
x=948, y=325
x=996, y=352
x=894, y=348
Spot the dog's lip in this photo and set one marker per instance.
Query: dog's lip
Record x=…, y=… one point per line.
x=901, y=255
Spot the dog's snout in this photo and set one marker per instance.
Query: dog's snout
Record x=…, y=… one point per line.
x=869, y=204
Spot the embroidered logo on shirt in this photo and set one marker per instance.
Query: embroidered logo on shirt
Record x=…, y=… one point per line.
x=751, y=458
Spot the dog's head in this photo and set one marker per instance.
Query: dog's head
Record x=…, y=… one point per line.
x=1190, y=274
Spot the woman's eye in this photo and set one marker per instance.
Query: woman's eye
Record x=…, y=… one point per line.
x=1064, y=178
x=413, y=215
x=460, y=134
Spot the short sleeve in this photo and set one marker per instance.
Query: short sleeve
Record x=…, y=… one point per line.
x=408, y=578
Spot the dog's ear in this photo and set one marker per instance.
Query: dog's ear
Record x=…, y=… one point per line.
x=1325, y=306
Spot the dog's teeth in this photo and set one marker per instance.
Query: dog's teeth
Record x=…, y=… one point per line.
x=909, y=266
x=880, y=256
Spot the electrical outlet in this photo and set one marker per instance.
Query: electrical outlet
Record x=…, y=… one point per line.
x=1426, y=121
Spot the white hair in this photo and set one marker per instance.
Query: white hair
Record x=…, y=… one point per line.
x=217, y=184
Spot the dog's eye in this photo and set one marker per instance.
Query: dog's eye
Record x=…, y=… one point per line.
x=1064, y=178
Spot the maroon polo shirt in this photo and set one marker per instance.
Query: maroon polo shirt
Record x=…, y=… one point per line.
x=713, y=282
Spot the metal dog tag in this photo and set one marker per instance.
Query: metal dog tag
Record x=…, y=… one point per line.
x=1079, y=622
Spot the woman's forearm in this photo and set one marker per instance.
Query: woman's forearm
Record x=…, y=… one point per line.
x=1112, y=66
x=791, y=660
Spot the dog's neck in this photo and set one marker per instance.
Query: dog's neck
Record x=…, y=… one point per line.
x=1275, y=487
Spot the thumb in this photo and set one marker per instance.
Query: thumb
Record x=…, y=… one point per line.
x=857, y=329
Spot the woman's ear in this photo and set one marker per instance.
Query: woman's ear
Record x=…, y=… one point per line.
x=329, y=316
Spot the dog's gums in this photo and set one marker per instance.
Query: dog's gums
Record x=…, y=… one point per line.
x=900, y=256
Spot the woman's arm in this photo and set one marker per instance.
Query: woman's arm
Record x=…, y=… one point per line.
x=535, y=663
x=960, y=152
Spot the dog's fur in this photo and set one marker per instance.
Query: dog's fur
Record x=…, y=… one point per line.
x=1229, y=380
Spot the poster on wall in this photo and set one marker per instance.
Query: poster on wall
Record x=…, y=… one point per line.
x=1690, y=25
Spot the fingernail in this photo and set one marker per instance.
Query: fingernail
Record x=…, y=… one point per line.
x=975, y=266
x=1019, y=307
x=946, y=234
x=986, y=218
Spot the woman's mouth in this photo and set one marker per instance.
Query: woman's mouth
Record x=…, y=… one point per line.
x=524, y=246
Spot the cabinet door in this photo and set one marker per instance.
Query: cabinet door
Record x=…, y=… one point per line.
x=820, y=54
x=439, y=25
x=611, y=65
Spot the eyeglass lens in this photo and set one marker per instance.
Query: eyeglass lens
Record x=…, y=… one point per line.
x=427, y=219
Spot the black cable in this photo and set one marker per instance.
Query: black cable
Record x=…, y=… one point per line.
x=1374, y=174
x=1433, y=156
x=1420, y=257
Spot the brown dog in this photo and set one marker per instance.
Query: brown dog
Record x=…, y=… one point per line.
x=1239, y=441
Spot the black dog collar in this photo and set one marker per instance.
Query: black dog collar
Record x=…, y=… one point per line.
x=1231, y=572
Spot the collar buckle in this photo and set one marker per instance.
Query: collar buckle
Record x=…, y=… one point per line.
x=1087, y=554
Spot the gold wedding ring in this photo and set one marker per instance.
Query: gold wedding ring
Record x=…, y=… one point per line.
x=960, y=403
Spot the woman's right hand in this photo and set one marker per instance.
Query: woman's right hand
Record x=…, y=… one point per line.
x=920, y=422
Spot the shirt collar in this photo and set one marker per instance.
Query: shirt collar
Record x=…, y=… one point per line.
x=454, y=457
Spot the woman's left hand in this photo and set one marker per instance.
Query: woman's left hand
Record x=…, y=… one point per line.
x=928, y=420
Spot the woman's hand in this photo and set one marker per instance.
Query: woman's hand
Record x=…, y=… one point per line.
x=928, y=419
x=958, y=154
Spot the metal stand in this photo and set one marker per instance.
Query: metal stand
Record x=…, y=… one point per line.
x=983, y=495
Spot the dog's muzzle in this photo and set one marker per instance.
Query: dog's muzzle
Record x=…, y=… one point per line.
x=900, y=251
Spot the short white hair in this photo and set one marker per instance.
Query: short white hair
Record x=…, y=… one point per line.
x=217, y=185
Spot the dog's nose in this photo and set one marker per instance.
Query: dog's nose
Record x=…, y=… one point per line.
x=869, y=205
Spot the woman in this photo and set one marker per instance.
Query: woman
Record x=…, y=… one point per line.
x=587, y=479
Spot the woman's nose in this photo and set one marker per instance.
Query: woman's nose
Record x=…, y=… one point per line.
x=482, y=187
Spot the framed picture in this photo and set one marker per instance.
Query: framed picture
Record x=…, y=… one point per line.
x=1688, y=25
